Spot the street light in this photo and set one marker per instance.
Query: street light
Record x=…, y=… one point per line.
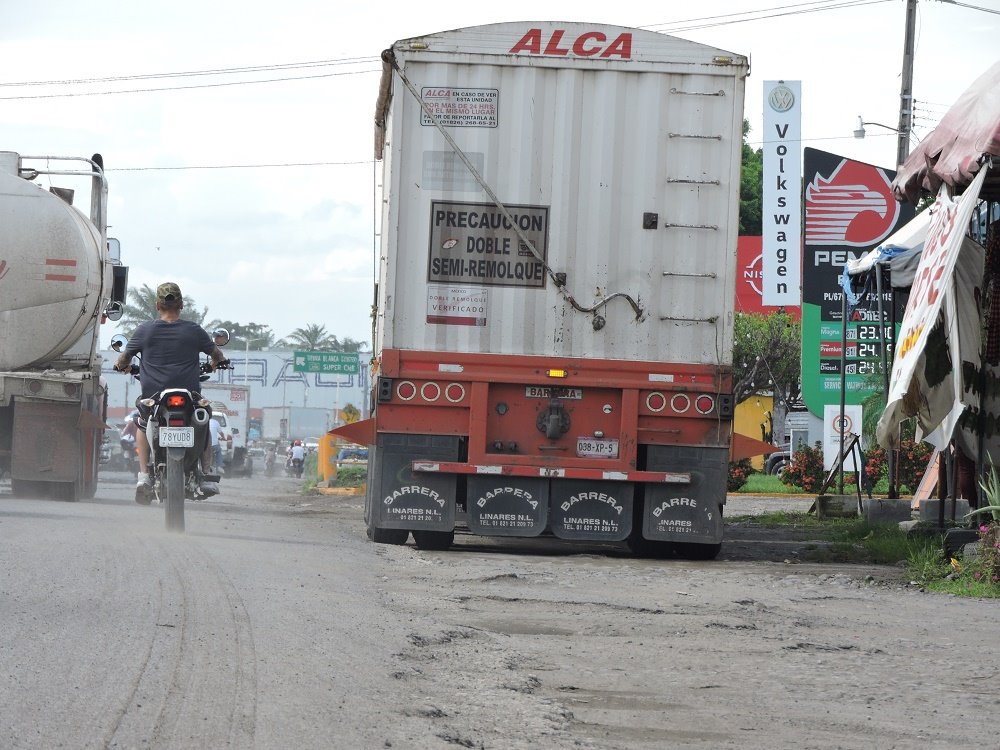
x=859, y=131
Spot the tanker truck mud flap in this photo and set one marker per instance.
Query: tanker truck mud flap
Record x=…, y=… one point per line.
x=598, y=511
x=507, y=506
x=398, y=498
x=686, y=513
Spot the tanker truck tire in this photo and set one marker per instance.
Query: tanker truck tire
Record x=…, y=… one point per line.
x=433, y=540
x=174, y=490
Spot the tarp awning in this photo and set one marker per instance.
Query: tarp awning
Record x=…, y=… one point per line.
x=951, y=152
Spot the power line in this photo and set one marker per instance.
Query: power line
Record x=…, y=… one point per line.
x=191, y=86
x=973, y=7
x=208, y=72
x=837, y=5
x=240, y=166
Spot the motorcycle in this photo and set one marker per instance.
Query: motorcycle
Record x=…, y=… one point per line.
x=128, y=457
x=177, y=432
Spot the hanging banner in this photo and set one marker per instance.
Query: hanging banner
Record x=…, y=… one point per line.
x=933, y=278
x=781, y=225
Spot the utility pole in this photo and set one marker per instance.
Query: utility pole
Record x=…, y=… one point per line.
x=906, y=86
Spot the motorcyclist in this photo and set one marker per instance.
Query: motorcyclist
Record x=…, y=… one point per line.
x=297, y=457
x=170, y=348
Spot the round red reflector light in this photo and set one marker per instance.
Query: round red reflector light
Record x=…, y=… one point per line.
x=406, y=390
x=656, y=402
x=704, y=404
x=430, y=391
x=680, y=403
x=454, y=392
x=34, y=386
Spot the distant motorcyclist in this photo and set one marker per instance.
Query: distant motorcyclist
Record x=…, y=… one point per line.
x=170, y=349
x=297, y=457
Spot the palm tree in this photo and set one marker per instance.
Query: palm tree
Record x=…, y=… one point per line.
x=140, y=306
x=313, y=338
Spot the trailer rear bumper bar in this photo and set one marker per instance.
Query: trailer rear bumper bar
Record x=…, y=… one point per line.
x=457, y=467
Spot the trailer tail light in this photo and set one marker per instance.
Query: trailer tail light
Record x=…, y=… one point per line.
x=176, y=400
x=430, y=391
x=406, y=390
x=656, y=402
x=454, y=392
x=69, y=389
x=704, y=404
x=680, y=402
x=384, y=390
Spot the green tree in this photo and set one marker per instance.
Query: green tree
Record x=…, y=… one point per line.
x=140, y=306
x=315, y=338
x=751, y=187
x=259, y=335
x=767, y=357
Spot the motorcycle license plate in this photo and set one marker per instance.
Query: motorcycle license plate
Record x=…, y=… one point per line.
x=176, y=437
x=596, y=448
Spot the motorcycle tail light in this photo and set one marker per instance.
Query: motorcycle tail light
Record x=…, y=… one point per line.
x=175, y=400
x=173, y=422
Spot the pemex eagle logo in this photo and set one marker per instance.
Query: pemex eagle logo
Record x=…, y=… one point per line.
x=853, y=206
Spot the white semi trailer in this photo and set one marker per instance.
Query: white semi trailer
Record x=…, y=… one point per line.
x=59, y=280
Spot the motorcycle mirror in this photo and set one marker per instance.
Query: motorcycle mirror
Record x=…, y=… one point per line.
x=204, y=377
x=220, y=336
x=118, y=342
x=114, y=311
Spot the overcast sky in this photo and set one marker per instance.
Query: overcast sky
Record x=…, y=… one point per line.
x=293, y=245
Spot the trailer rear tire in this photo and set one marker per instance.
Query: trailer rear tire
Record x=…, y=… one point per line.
x=388, y=536
x=691, y=551
x=433, y=540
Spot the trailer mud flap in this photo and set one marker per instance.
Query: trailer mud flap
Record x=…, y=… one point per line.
x=402, y=499
x=686, y=513
x=46, y=443
x=507, y=506
x=598, y=511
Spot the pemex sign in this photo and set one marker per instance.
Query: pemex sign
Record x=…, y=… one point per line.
x=849, y=208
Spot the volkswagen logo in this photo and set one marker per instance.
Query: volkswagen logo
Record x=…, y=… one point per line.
x=781, y=98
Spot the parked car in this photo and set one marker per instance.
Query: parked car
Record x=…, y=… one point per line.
x=777, y=461
x=352, y=455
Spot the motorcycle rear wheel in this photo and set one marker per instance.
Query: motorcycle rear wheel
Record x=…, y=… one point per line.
x=174, y=486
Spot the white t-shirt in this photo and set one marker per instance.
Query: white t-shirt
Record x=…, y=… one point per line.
x=214, y=428
x=298, y=452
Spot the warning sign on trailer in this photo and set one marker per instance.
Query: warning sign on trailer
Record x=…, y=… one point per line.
x=461, y=107
x=457, y=306
x=475, y=243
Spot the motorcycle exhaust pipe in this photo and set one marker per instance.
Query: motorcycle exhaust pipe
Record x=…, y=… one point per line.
x=200, y=416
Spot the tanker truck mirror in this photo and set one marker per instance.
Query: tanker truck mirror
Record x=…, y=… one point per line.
x=114, y=311
x=118, y=342
x=114, y=250
x=119, y=283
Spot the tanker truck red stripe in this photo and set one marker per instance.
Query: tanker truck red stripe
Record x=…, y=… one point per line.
x=68, y=262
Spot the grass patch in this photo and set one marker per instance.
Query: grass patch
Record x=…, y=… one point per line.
x=854, y=540
x=350, y=476
x=767, y=484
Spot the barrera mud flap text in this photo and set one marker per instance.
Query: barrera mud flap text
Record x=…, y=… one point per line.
x=692, y=513
x=398, y=497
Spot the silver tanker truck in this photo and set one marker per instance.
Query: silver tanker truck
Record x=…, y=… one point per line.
x=59, y=280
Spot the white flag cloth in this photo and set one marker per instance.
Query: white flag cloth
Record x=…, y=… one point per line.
x=926, y=377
